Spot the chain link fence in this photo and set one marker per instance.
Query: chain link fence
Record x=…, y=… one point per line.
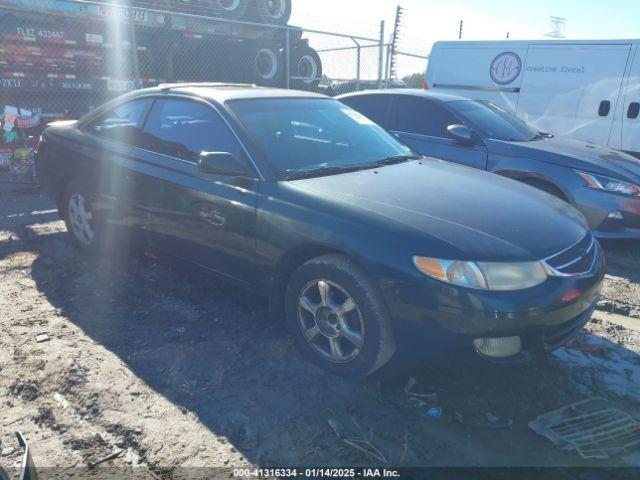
x=59, y=59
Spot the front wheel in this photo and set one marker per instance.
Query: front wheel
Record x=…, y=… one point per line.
x=337, y=317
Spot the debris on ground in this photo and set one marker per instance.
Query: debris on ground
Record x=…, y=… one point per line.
x=359, y=441
x=434, y=412
x=410, y=389
x=487, y=420
x=592, y=427
x=42, y=337
x=109, y=457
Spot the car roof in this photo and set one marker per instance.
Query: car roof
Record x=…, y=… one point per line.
x=221, y=93
x=415, y=92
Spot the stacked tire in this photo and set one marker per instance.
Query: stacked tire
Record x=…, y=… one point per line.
x=260, y=60
x=270, y=12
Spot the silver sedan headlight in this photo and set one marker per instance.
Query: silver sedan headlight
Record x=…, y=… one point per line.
x=500, y=276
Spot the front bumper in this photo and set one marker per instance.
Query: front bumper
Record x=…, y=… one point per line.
x=598, y=207
x=433, y=317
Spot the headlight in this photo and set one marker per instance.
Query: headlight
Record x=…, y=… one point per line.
x=609, y=184
x=483, y=275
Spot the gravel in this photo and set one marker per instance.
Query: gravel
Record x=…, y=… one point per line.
x=178, y=370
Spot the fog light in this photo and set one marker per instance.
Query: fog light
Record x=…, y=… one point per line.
x=613, y=223
x=498, y=347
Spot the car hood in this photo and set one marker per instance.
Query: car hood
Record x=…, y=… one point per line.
x=479, y=216
x=574, y=154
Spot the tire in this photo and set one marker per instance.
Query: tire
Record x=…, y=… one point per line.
x=272, y=12
x=350, y=333
x=230, y=9
x=79, y=216
x=306, y=63
x=267, y=66
x=103, y=240
x=545, y=187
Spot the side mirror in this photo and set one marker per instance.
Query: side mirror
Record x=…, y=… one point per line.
x=221, y=163
x=461, y=133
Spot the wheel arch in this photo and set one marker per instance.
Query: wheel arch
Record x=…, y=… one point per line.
x=536, y=180
x=60, y=186
x=288, y=264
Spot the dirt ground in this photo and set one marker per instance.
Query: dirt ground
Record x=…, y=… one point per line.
x=170, y=369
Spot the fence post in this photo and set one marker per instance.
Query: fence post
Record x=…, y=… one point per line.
x=381, y=55
x=287, y=58
x=358, y=77
x=134, y=55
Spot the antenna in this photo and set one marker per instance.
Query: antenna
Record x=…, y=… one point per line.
x=557, y=27
x=460, y=31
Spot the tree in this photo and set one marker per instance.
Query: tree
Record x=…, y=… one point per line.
x=415, y=80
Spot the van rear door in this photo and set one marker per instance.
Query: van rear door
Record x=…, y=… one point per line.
x=631, y=109
x=573, y=89
x=478, y=70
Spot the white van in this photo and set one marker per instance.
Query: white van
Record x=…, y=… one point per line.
x=588, y=90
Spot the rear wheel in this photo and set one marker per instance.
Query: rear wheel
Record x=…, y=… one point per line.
x=337, y=317
x=79, y=215
x=87, y=230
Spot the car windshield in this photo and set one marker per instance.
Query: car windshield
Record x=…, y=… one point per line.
x=494, y=122
x=307, y=135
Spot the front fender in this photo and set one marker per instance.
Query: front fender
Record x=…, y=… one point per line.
x=521, y=169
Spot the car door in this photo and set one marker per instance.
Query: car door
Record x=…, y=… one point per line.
x=203, y=218
x=108, y=145
x=631, y=110
x=422, y=124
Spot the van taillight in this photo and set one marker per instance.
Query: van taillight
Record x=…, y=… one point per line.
x=425, y=86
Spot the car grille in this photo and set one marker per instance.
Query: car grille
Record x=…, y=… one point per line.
x=576, y=260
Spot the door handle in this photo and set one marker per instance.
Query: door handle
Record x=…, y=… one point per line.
x=604, y=108
x=634, y=110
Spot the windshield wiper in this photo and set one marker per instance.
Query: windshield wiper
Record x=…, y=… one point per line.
x=397, y=159
x=328, y=170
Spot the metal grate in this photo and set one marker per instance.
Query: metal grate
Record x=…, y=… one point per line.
x=591, y=427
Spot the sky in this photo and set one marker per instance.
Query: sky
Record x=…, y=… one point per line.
x=427, y=21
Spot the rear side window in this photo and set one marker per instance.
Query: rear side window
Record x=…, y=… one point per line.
x=184, y=129
x=374, y=107
x=123, y=124
x=422, y=117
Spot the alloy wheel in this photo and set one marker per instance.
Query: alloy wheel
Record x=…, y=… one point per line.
x=331, y=321
x=81, y=219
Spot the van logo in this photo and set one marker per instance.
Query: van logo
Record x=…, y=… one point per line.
x=505, y=68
